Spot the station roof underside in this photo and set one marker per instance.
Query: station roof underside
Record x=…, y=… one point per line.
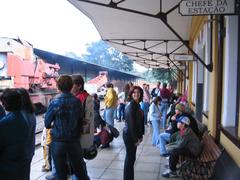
x=70, y=66
x=151, y=32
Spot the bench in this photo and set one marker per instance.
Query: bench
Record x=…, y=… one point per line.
x=202, y=166
x=225, y=168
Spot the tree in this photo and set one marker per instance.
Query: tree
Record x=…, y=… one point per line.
x=72, y=55
x=164, y=75
x=105, y=55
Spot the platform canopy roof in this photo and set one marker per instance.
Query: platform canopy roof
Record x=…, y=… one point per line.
x=151, y=32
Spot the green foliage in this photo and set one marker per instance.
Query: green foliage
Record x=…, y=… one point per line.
x=102, y=54
x=149, y=76
x=163, y=75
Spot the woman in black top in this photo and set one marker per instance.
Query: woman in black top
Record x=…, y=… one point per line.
x=133, y=131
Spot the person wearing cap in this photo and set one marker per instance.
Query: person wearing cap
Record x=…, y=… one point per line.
x=184, y=142
x=164, y=137
x=185, y=110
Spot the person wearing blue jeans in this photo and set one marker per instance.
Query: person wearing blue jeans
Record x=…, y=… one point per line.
x=110, y=101
x=145, y=102
x=80, y=171
x=163, y=108
x=122, y=99
x=155, y=116
x=145, y=108
x=53, y=174
x=165, y=94
x=109, y=116
x=164, y=138
x=121, y=112
x=64, y=116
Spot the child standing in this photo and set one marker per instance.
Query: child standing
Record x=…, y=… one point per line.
x=45, y=143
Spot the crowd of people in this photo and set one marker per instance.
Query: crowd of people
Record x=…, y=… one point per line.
x=74, y=126
x=174, y=129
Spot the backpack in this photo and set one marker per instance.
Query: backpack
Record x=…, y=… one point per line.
x=87, y=129
x=85, y=126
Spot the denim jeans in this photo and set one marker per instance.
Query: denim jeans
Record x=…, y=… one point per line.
x=53, y=173
x=163, y=109
x=128, y=171
x=156, y=132
x=71, y=150
x=121, y=110
x=109, y=116
x=145, y=108
x=163, y=139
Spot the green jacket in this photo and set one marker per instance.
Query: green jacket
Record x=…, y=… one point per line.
x=189, y=140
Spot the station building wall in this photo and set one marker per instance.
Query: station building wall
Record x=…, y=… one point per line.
x=221, y=86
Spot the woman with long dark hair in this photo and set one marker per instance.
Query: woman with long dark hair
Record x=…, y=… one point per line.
x=17, y=134
x=133, y=131
x=27, y=110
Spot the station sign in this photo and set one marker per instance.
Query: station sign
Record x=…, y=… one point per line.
x=206, y=7
x=183, y=57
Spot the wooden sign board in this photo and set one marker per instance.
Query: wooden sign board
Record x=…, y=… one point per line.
x=206, y=7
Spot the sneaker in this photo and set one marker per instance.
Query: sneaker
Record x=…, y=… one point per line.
x=169, y=174
x=51, y=177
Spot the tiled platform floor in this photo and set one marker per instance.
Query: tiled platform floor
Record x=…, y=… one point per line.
x=109, y=162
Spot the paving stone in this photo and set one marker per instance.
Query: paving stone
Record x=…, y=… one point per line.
x=109, y=163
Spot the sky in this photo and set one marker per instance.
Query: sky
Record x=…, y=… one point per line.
x=50, y=25
x=54, y=25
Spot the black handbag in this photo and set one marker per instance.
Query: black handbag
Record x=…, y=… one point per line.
x=90, y=153
x=114, y=131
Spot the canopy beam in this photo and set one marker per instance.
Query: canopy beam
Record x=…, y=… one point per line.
x=162, y=16
x=122, y=42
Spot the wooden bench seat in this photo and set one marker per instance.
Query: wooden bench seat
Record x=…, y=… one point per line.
x=202, y=166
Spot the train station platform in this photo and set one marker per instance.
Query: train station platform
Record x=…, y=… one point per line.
x=109, y=162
